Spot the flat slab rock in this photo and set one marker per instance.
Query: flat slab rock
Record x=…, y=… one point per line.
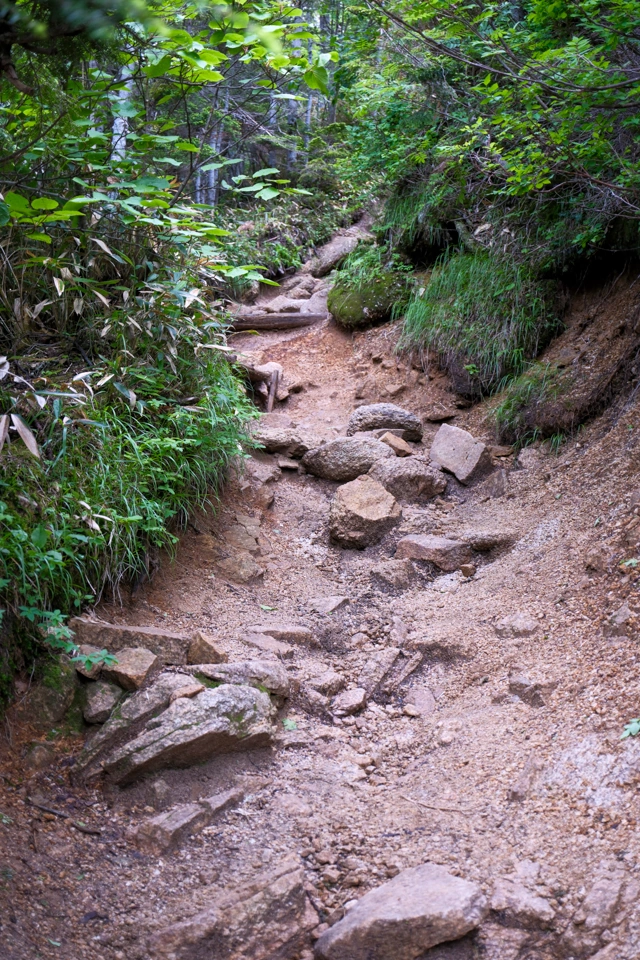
x=169, y=647
x=362, y=513
x=411, y=478
x=267, y=675
x=373, y=416
x=345, y=458
x=460, y=453
x=168, y=829
x=419, y=909
x=268, y=918
x=448, y=555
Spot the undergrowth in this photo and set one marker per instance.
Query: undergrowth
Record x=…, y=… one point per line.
x=372, y=285
x=483, y=317
x=514, y=413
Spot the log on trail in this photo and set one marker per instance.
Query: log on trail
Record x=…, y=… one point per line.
x=276, y=321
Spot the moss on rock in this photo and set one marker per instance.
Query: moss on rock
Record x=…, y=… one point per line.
x=372, y=301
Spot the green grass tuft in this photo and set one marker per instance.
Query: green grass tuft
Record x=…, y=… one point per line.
x=483, y=317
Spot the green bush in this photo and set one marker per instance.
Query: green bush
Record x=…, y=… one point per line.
x=483, y=318
x=371, y=286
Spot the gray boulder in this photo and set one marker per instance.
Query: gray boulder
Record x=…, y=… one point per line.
x=345, y=458
x=100, y=700
x=362, y=513
x=460, y=453
x=410, y=478
x=267, y=675
x=283, y=440
x=332, y=254
x=420, y=908
x=192, y=731
x=376, y=415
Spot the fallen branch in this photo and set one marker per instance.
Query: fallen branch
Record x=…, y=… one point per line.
x=276, y=321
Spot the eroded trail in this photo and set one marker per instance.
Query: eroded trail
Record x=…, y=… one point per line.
x=457, y=718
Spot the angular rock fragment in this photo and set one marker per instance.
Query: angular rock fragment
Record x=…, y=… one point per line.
x=396, y=574
x=269, y=645
x=448, y=555
x=134, y=666
x=192, y=731
x=330, y=682
x=362, y=513
x=268, y=919
x=376, y=668
x=167, y=830
x=189, y=691
x=399, y=446
x=290, y=632
x=410, y=479
x=241, y=567
x=263, y=674
x=329, y=604
x=350, y=701
x=517, y=904
x=375, y=415
x=619, y=623
x=460, y=453
x=101, y=698
x=204, y=649
x=533, y=692
x=485, y=540
x=284, y=440
x=345, y=458
x=420, y=908
x=169, y=647
x=517, y=625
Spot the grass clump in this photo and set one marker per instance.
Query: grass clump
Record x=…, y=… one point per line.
x=516, y=415
x=372, y=285
x=483, y=317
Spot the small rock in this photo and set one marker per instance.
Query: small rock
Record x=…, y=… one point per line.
x=167, y=830
x=468, y=570
x=420, y=908
x=268, y=644
x=388, y=415
x=485, y=540
x=134, y=666
x=495, y=485
x=349, y=702
x=330, y=682
x=376, y=668
x=422, y=700
x=397, y=574
x=290, y=632
x=600, y=558
x=362, y=513
x=460, y=453
x=204, y=649
x=284, y=440
x=241, y=567
x=329, y=604
x=189, y=691
x=410, y=710
x=603, y=899
x=286, y=464
x=618, y=624
x=530, y=691
x=91, y=672
x=169, y=647
x=399, y=446
x=447, y=555
x=345, y=458
x=524, y=784
x=101, y=699
x=409, y=479
x=441, y=412
x=517, y=625
x=518, y=904
x=39, y=757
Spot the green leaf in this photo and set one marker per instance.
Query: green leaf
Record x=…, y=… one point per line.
x=42, y=237
x=265, y=172
x=5, y=214
x=44, y=203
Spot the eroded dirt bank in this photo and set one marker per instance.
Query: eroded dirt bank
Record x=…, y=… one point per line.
x=487, y=739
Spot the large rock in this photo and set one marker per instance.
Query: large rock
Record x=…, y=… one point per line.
x=448, y=555
x=192, y=731
x=284, y=440
x=345, y=458
x=460, y=453
x=420, y=908
x=332, y=254
x=268, y=919
x=169, y=647
x=100, y=701
x=126, y=721
x=362, y=513
x=413, y=478
x=134, y=666
x=375, y=415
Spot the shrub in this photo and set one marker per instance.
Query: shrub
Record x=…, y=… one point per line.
x=482, y=317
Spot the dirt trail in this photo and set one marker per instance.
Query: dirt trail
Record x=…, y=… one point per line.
x=491, y=749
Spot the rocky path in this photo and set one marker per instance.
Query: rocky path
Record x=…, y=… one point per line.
x=397, y=660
